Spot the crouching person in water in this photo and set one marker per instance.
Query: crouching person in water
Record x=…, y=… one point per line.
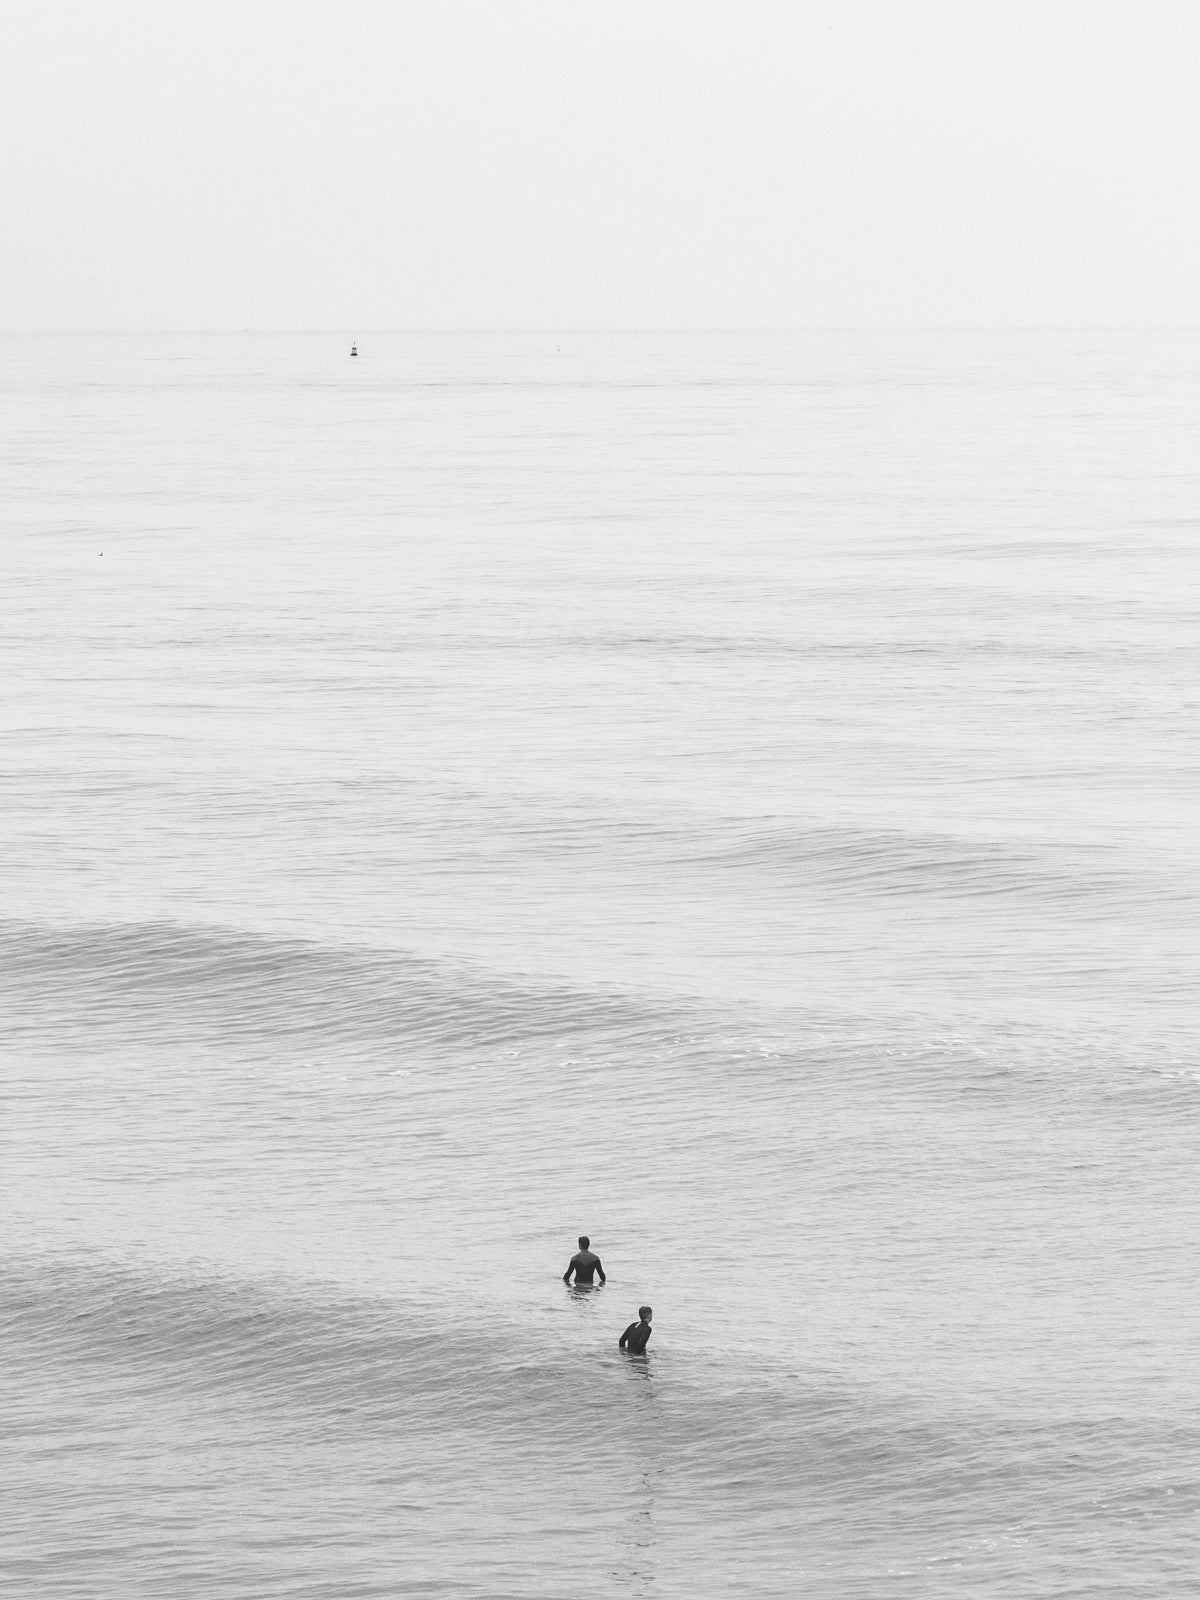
x=637, y=1335
x=583, y=1264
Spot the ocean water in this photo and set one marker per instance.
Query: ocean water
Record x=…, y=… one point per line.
x=732, y=795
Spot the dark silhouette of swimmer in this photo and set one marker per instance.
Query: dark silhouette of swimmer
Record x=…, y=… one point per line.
x=637, y=1335
x=584, y=1264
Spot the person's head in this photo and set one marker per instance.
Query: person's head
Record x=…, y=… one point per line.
x=645, y=1313
x=584, y=1242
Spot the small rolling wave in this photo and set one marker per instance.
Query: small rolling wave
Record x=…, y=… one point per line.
x=167, y=981
x=296, y=1354
x=278, y=1343
x=899, y=863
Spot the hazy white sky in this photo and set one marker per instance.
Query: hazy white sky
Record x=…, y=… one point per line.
x=528, y=163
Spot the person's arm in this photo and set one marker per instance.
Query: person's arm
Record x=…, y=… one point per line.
x=570, y=1269
x=600, y=1270
x=623, y=1341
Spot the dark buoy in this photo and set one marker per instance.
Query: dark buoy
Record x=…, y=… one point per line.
x=354, y=349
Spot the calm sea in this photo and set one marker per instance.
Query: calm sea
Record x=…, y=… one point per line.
x=732, y=795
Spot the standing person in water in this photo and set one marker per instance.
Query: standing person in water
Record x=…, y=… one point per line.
x=637, y=1335
x=584, y=1264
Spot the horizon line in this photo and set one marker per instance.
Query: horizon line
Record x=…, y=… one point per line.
x=352, y=332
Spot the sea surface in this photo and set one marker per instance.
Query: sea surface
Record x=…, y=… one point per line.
x=732, y=795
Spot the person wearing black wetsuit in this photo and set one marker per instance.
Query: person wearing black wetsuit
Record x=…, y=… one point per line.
x=584, y=1264
x=637, y=1335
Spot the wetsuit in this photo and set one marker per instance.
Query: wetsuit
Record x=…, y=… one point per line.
x=583, y=1264
x=635, y=1337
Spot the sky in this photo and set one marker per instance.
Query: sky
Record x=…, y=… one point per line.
x=522, y=163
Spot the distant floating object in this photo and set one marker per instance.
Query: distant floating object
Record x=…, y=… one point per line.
x=353, y=349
